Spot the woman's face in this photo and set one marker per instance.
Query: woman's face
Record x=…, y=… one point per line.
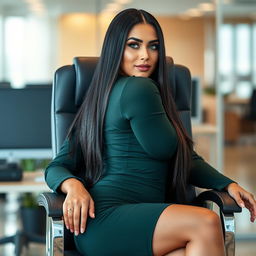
x=141, y=51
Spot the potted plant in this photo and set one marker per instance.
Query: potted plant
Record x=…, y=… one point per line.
x=33, y=217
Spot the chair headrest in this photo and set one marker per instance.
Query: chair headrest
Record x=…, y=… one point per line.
x=85, y=66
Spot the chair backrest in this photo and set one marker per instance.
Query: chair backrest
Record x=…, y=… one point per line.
x=252, y=106
x=72, y=81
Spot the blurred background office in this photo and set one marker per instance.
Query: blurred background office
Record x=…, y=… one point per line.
x=216, y=40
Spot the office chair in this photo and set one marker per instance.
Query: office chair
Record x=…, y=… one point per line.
x=248, y=119
x=70, y=85
x=252, y=106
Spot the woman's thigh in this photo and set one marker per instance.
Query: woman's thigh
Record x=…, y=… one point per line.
x=177, y=225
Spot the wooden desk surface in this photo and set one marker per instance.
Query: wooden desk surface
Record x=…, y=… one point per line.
x=237, y=101
x=204, y=129
x=31, y=182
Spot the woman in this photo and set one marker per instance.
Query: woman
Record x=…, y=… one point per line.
x=128, y=141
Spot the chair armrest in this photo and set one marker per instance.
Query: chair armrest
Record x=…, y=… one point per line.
x=52, y=203
x=226, y=203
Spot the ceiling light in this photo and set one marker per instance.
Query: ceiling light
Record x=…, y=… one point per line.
x=33, y=1
x=123, y=1
x=194, y=12
x=113, y=7
x=206, y=7
x=227, y=1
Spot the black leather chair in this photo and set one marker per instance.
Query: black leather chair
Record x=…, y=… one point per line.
x=252, y=107
x=70, y=85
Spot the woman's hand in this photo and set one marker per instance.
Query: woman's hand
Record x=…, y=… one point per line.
x=243, y=198
x=78, y=203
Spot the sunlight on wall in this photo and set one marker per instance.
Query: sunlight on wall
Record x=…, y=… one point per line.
x=27, y=50
x=77, y=37
x=14, y=51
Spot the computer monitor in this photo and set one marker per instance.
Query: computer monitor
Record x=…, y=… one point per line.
x=196, y=101
x=25, y=127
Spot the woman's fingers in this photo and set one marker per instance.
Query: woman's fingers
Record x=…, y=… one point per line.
x=65, y=216
x=76, y=219
x=236, y=195
x=70, y=211
x=84, y=213
x=251, y=209
x=87, y=208
x=250, y=204
x=91, y=209
x=75, y=211
x=244, y=199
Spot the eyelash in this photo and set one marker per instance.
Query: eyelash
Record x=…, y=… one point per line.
x=153, y=47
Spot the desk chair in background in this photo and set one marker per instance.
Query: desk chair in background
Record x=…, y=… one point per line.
x=70, y=85
x=248, y=119
x=252, y=107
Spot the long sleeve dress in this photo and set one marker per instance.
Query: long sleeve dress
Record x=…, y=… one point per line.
x=139, y=142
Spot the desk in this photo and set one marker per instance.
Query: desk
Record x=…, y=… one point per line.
x=210, y=131
x=31, y=182
x=237, y=105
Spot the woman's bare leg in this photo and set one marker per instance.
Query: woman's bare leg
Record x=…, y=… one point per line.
x=195, y=229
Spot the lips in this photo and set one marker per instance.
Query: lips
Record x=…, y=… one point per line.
x=143, y=68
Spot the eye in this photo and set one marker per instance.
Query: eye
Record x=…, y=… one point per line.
x=133, y=45
x=154, y=47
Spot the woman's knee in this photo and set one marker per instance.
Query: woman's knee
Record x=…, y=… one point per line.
x=180, y=224
x=212, y=219
x=209, y=223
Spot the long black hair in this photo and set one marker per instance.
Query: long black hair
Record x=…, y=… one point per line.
x=88, y=126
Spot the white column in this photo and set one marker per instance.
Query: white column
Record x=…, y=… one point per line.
x=219, y=104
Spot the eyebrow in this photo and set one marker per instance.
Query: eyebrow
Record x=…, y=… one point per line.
x=140, y=41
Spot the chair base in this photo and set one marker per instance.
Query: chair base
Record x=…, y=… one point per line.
x=22, y=238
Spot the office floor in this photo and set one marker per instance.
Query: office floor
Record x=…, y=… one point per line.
x=240, y=164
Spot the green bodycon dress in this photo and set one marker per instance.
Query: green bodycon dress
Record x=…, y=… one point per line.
x=139, y=142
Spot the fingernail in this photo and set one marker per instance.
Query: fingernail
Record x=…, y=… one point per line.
x=93, y=215
x=82, y=230
x=67, y=227
x=76, y=233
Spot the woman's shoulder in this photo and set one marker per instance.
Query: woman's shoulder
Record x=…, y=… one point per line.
x=137, y=84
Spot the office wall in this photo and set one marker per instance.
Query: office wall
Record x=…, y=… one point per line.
x=184, y=40
x=82, y=34
x=76, y=37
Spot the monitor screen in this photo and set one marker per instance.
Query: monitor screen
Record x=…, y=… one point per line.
x=25, y=130
x=196, y=104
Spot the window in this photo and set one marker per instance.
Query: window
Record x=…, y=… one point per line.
x=238, y=59
x=28, y=49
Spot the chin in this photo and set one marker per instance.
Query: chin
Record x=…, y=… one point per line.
x=143, y=74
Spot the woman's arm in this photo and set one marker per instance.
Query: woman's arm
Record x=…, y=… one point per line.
x=243, y=198
x=141, y=105
x=63, y=166
x=205, y=176
x=78, y=203
x=63, y=176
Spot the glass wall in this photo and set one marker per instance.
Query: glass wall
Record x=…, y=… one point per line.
x=237, y=53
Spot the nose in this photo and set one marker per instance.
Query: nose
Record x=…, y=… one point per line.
x=144, y=53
